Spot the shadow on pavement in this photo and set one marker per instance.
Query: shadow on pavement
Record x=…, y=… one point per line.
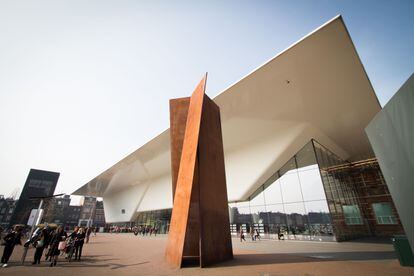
x=116, y=266
x=285, y=258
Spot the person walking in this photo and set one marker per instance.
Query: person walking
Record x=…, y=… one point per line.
x=57, y=244
x=279, y=233
x=80, y=239
x=40, y=244
x=88, y=233
x=11, y=240
x=70, y=243
x=252, y=233
x=256, y=235
x=242, y=235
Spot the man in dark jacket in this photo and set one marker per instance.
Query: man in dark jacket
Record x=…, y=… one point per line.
x=11, y=239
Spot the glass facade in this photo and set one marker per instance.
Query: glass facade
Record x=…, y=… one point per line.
x=156, y=218
x=315, y=196
x=342, y=195
x=292, y=202
x=383, y=213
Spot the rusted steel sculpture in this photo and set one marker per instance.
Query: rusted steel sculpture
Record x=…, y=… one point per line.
x=199, y=229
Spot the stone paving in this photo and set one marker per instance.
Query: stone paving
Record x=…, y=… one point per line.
x=126, y=254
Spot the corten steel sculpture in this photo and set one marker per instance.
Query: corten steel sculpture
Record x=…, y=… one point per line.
x=199, y=229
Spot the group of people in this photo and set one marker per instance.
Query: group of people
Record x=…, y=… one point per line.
x=145, y=230
x=60, y=243
x=254, y=234
x=56, y=241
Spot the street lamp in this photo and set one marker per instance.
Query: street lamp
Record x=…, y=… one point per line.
x=42, y=198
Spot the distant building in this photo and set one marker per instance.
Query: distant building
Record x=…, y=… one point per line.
x=72, y=214
x=87, y=213
x=99, y=219
x=7, y=206
x=55, y=210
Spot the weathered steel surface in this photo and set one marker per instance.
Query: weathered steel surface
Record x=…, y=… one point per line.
x=215, y=242
x=199, y=226
x=185, y=180
x=178, y=119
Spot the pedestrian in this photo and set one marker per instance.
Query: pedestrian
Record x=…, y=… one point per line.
x=79, y=240
x=252, y=233
x=279, y=234
x=88, y=233
x=242, y=235
x=40, y=244
x=70, y=243
x=10, y=241
x=256, y=235
x=57, y=243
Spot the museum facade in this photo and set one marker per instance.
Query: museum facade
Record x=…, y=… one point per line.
x=297, y=159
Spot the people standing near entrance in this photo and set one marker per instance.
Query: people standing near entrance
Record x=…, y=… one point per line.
x=242, y=235
x=80, y=239
x=10, y=241
x=57, y=243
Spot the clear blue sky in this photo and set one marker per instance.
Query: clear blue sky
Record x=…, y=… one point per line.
x=84, y=83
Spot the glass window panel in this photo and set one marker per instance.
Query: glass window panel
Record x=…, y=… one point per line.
x=319, y=219
x=296, y=219
x=276, y=218
x=318, y=212
x=258, y=199
x=352, y=215
x=243, y=210
x=306, y=157
x=232, y=213
x=291, y=188
x=273, y=193
x=295, y=208
x=383, y=213
x=258, y=214
x=311, y=183
x=241, y=215
x=289, y=167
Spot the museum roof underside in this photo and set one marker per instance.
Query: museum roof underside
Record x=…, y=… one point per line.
x=317, y=88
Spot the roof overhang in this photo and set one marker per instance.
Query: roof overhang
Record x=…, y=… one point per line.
x=317, y=88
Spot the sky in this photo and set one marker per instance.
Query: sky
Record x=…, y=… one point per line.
x=85, y=83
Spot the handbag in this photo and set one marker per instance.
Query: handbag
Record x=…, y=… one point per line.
x=40, y=243
x=62, y=245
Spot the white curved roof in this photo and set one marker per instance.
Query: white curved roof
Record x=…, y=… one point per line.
x=317, y=88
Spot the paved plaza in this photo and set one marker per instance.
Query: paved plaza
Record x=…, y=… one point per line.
x=126, y=254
